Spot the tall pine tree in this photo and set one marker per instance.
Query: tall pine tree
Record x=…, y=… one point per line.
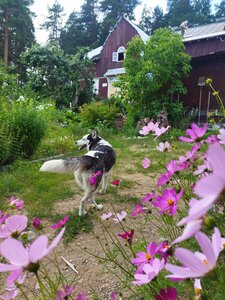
x=113, y=10
x=179, y=11
x=16, y=30
x=202, y=12
x=150, y=21
x=81, y=29
x=53, y=22
x=220, y=9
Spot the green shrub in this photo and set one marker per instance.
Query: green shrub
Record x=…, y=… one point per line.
x=21, y=131
x=95, y=112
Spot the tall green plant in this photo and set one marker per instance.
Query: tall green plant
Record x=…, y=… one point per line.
x=154, y=71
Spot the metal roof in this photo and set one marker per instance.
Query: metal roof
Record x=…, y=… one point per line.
x=112, y=72
x=204, y=31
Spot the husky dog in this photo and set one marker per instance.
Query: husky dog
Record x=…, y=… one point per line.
x=96, y=163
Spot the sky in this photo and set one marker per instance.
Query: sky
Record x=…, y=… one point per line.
x=40, y=8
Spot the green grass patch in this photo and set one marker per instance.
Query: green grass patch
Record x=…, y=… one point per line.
x=75, y=224
x=39, y=190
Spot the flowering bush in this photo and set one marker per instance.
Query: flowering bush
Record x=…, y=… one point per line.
x=189, y=193
x=22, y=252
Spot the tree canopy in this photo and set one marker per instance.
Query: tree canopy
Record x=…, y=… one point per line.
x=154, y=71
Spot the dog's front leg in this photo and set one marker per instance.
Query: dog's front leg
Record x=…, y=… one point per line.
x=97, y=206
x=82, y=211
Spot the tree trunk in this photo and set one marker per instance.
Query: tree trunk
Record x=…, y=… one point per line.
x=6, y=38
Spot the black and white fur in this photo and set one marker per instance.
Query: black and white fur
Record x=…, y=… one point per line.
x=100, y=157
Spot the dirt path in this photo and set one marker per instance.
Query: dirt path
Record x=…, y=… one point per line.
x=93, y=275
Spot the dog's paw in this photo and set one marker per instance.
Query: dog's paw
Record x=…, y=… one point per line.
x=99, y=206
x=82, y=213
x=102, y=191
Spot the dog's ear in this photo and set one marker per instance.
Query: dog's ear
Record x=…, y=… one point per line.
x=94, y=134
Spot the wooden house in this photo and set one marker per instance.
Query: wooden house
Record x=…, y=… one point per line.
x=206, y=46
x=108, y=58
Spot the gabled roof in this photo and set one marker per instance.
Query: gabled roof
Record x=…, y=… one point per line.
x=96, y=52
x=204, y=31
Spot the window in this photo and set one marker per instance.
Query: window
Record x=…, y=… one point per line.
x=121, y=53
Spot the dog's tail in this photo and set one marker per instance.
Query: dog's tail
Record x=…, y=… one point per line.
x=61, y=165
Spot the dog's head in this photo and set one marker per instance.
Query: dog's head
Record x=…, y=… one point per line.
x=88, y=140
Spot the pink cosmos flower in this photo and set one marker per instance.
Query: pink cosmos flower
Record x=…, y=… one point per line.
x=149, y=272
x=212, y=139
x=214, y=183
x=16, y=203
x=167, y=294
x=144, y=131
x=68, y=292
x=81, y=296
x=60, y=223
x=127, y=235
x=167, y=203
x=23, y=259
x=116, y=182
x=37, y=223
x=93, y=177
x=175, y=166
x=10, y=294
x=164, y=178
x=3, y=217
x=164, y=250
x=146, y=163
x=160, y=131
x=146, y=257
x=138, y=210
x=148, y=197
x=195, y=133
x=119, y=217
x=221, y=136
x=13, y=226
x=190, y=230
x=205, y=168
x=151, y=127
x=163, y=147
x=106, y=216
x=190, y=155
x=197, y=264
x=198, y=209
x=113, y=296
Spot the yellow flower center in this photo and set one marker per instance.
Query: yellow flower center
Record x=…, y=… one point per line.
x=148, y=256
x=170, y=202
x=198, y=291
x=206, y=262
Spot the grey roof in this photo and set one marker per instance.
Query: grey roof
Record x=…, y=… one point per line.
x=113, y=72
x=204, y=31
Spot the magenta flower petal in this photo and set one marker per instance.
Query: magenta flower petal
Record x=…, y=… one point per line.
x=54, y=242
x=18, y=257
x=38, y=248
